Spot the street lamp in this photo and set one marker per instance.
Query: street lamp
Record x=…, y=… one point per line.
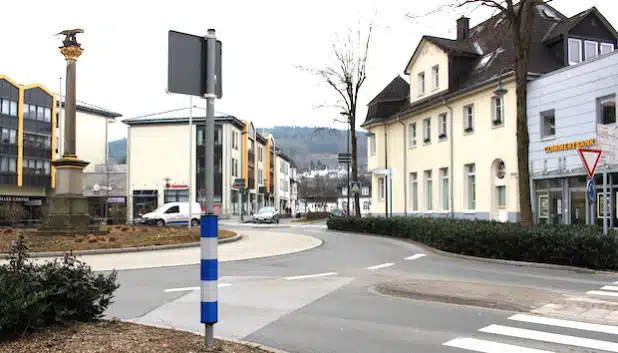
x=107, y=123
x=501, y=91
x=347, y=142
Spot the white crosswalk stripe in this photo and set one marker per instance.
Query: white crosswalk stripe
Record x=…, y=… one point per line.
x=534, y=339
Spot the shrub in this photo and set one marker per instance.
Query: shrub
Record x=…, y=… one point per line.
x=124, y=229
x=144, y=230
x=111, y=239
x=79, y=239
x=317, y=215
x=33, y=295
x=574, y=245
x=101, y=238
x=91, y=238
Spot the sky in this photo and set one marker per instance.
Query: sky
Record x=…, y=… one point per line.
x=124, y=64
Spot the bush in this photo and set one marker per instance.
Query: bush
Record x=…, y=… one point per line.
x=573, y=245
x=317, y=215
x=33, y=296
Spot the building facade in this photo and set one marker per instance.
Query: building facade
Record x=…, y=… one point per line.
x=566, y=110
x=162, y=166
x=28, y=144
x=445, y=145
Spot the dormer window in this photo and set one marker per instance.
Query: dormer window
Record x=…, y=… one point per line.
x=591, y=49
x=435, y=76
x=575, y=51
x=484, y=61
x=545, y=11
x=607, y=48
x=421, y=83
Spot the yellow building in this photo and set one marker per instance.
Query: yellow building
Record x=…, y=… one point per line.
x=445, y=144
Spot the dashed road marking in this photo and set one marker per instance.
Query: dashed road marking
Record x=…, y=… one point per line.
x=599, y=292
x=376, y=267
x=610, y=288
x=415, y=256
x=473, y=344
x=311, y=276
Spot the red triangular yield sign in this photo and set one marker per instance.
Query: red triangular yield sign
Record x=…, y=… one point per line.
x=590, y=158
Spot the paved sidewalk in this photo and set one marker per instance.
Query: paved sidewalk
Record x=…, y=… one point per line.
x=582, y=309
x=254, y=244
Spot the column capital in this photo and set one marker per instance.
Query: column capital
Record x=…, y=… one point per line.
x=71, y=52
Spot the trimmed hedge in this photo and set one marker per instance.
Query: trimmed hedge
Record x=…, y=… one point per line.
x=573, y=245
x=317, y=215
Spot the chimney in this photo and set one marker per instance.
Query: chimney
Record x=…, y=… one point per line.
x=463, y=27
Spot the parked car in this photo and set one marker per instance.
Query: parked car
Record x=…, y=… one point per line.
x=266, y=214
x=173, y=214
x=337, y=213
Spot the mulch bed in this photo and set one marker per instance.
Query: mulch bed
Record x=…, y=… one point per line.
x=115, y=337
x=120, y=236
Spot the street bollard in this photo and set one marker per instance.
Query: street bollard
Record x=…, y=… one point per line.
x=209, y=276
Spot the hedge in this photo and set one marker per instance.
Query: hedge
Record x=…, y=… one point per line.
x=38, y=295
x=317, y=215
x=573, y=245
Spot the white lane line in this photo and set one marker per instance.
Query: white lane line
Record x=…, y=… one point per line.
x=311, y=276
x=415, y=256
x=610, y=288
x=380, y=266
x=565, y=323
x=186, y=289
x=473, y=344
x=599, y=292
x=551, y=337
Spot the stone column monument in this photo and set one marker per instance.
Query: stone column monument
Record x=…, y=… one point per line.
x=68, y=208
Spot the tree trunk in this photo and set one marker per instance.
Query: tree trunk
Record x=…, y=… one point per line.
x=355, y=169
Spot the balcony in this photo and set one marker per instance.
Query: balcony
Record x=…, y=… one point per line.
x=8, y=149
x=37, y=180
x=37, y=152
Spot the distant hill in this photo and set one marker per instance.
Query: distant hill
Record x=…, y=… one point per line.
x=305, y=145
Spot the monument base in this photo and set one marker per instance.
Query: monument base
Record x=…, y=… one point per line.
x=67, y=211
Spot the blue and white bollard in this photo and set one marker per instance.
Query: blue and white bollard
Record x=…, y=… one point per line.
x=209, y=274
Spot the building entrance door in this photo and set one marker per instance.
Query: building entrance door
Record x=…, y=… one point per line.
x=556, y=207
x=578, y=206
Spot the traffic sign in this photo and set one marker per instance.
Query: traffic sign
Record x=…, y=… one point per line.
x=239, y=183
x=344, y=158
x=590, y=157
x=591, y=190
x=356, y=186
x=606, y=141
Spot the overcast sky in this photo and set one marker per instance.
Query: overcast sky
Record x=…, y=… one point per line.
x=124, y=64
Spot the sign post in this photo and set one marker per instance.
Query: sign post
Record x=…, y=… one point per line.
x=194, y=68
x=590, y=158
x=606, y=138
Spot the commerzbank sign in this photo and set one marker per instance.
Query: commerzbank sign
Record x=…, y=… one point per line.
x=570, y=146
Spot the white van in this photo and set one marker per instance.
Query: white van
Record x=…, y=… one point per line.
x=172, y=214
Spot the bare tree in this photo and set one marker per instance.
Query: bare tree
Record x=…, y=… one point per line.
x=346, y=77
x=520, y=16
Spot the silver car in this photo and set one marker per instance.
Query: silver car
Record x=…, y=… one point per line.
x=266, y=214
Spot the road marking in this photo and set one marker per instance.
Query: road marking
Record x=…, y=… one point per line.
x=610, y=288
x=380, y=266
x=565, y=323
x=551, y=337
x=312, y=276
x=599, y=292
x=415, y=256
x=185, y=289
x=477, y=345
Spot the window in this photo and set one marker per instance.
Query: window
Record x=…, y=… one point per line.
x=365, y=205
x=497, y=110
x=607, y=110
x=234, y=167
x=38, y=167
x=435, y=74
x=6, y=107
x=428, y=191
x=411, y=135
x=575, y=51
x=344, y=191
x=471, y=186
x=173, y=209
x=421, y=83
x=372, y=145
x=501, y=193
x=5, y=135
x=591, y=49
x=47, y=115
x=13, y=166
x=47, y=167
x=381, y=188
x=444, y=189
x=12, y=136
x=484, y=61
x=442, y=126
x=427, y=130
x=13, y=111
x=181, y=195
x=607, y=48
x=548, y=123
x=365, y=191
x=260, y=153
x=26, y=111
x=40, y=113
x=469, y=118
x=414, y=191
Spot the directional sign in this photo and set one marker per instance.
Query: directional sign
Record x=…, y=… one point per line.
x=344, y=158
x=591, y=190
x=356, y=186
x=239, y=183
x=590, y=157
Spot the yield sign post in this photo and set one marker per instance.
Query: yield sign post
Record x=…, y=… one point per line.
x=590, y=158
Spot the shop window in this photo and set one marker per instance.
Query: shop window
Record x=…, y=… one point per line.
x=606, y=110
x=548, y=123
x=181, y=195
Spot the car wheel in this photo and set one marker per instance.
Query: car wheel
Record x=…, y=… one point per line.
x=195, y=223
x=277, y=220
x=160, y=223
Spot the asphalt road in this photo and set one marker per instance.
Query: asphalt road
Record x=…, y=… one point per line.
x=321, y=300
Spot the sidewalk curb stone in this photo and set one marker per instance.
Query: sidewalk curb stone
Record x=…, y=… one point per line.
x=485, y=259
x=237, y=237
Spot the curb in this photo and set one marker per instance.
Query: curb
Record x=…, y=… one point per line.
x=489, y=260
x=254, y=226
x=237, y=237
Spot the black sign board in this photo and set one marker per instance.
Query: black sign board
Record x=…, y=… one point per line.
x=186, y=70
x=344, y=158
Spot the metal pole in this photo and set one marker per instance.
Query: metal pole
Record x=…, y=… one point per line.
x=210, y=149
x=190, y=160
x=106, y=169
x=605, y=216
x=347, y=142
